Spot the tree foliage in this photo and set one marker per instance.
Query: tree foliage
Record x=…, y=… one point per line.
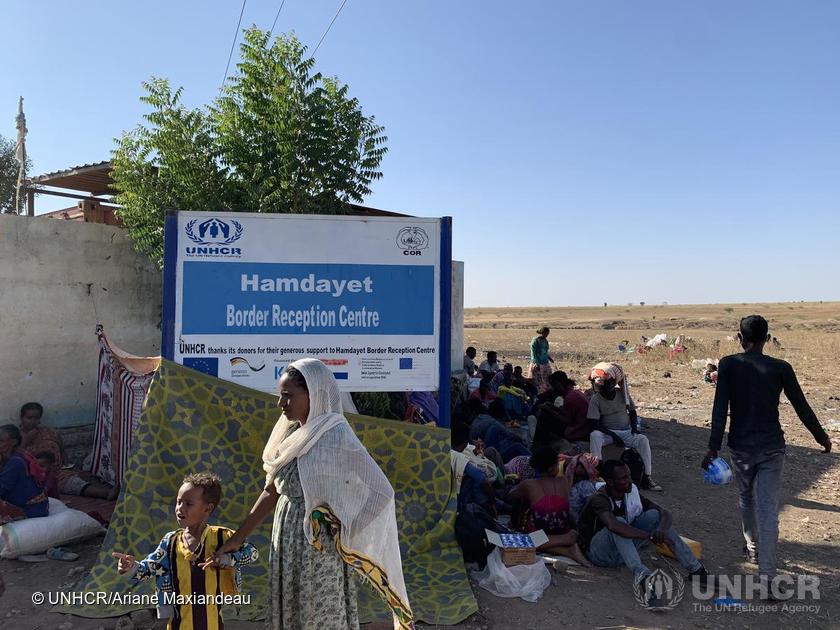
x=279, y=138
x=9, y=167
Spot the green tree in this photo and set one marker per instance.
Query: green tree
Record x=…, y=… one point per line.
x=8, y=175
x=279, y=138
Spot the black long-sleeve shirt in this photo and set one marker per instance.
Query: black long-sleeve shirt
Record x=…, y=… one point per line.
x=749, y=386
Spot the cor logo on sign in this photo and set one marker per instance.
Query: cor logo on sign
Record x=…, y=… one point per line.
x=412, y=240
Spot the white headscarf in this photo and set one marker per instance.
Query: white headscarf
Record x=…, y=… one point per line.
x=337, y=473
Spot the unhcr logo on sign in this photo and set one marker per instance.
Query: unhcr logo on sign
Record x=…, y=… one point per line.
x=213, y=236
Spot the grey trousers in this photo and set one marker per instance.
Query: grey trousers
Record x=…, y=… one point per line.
x=759, y=479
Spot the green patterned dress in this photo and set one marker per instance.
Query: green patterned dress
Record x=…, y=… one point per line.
x=307, y=589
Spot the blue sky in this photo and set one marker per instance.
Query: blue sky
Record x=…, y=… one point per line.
x=587, y=151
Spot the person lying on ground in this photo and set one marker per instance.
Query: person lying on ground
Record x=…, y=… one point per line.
x=617, y=520
x=614, y=414
x=490, y=366
x=547, y=497
x=748, y=388
x=184, y=563
x=21, y=479
x=509, y=443
x=581, y=472
x=38, y=438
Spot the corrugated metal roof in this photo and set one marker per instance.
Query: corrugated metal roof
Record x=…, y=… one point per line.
x=90, y=178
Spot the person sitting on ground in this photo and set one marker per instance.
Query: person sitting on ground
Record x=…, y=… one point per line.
x=547, y=411
x=484, y=393
x=521, y=467
x=523, y=383
x=710, y=374
x=491, y=365
x=499, y=377
x=46, y=460
x=480, y=421
x=501, y=437
x=539, y=369
x=573, y=414
x=469, y=361
x=548, y=499
x=515, y=399
x=617, y=520
x=581, y=471
x=471, y=483
x=38, y=438
x=614, y=414
x=190, y=552
x=21, y=479
x=562, y=416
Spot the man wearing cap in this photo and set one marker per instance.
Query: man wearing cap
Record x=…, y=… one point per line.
x=613, y=411
x=748, y=387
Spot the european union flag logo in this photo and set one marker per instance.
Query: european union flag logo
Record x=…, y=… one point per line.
x=406, y=363
x=208, y=365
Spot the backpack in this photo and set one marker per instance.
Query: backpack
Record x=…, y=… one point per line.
x=631, y=458
x=470, y=524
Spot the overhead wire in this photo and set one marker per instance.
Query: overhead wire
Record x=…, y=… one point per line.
x=329, y=27
x=233, y=45
x=273, y=24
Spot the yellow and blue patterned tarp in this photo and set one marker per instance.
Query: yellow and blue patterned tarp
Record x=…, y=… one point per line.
x=193, y=422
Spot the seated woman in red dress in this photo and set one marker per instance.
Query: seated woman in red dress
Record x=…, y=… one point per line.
x=548, y=498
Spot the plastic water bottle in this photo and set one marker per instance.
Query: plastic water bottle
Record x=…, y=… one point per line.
x=718, y=473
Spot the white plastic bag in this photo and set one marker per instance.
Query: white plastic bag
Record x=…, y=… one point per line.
x=526, y=581
x=35, y=535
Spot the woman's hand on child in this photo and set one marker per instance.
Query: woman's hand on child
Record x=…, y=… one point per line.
x=125, y=562
x=231, y=545
x=213, y=562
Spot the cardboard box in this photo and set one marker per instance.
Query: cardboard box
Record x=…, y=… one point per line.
x=517, y=548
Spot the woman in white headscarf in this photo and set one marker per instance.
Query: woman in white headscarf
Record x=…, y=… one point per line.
x=333, y=512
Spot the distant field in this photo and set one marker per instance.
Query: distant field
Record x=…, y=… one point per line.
x=787, y=316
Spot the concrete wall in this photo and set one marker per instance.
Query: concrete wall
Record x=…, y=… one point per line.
x=57, y=280
x=457, y=348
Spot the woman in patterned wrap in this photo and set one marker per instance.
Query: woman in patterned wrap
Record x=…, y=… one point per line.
x=333, y=512
x=540, y=366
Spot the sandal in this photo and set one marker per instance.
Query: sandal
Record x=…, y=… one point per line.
x=60, y=553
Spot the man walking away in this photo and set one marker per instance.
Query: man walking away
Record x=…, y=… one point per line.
x=748, y=386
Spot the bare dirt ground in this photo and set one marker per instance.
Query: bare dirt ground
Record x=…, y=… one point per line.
x=676, y=409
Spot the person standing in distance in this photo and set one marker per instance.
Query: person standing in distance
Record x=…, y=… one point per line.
x=748, y=387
